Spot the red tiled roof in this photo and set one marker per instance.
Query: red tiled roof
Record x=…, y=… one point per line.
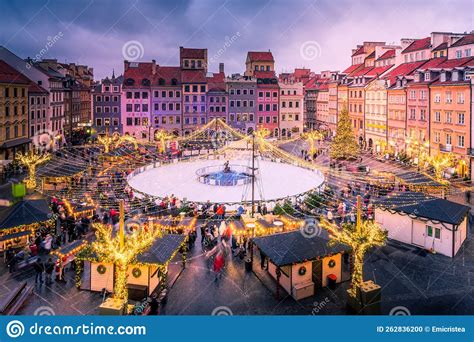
x=9, y=74
x=301, y=72
x=387, y=54
x=454, y=63
x=352, y=68
x=419, y=44
x=432, y=63
x=167, y=73
x=260, y=56
x=361, y=72
x=359, y=51
x=378, y=70
x=193, y=76
x=192, y=53
x=402, y=70
x=138, y=72
x=442, y=46
x=264, y=74
x=216, y=82
x=469, y=39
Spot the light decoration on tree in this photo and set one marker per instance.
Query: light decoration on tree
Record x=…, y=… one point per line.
x=115, y=140
x=162, y=136
x=344, y=145
x=123, y=139
x=31, y=160
x=108, y=140
x=122, y=250
x=311, y=137
x=260, y=134
x=441, y=162
x=360, y=238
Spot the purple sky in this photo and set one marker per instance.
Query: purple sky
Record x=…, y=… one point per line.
x=314, y=34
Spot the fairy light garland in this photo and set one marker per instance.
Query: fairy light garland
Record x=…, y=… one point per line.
x=31, y=160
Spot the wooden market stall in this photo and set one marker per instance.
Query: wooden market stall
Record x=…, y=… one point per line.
x=145, y=275
x=56, y=176
x=302, y=264
x=19, y=222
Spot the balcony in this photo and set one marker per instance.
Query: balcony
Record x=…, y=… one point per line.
x=445, y=148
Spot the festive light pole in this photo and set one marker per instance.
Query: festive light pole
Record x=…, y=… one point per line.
x=311, y=137
x=362, y=237
x=260, y=134
x=122, y=250
x=162, y=136
x=31, y=160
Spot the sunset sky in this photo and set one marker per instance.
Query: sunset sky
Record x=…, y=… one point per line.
x=94, y=32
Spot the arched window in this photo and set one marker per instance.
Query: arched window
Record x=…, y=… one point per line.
x=129, y=81
x=161, y=81
x=174, y=81
x=146, y=82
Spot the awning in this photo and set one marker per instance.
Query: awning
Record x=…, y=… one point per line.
x=15, y=142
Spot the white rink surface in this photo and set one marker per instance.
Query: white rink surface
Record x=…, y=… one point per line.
x=278, y=180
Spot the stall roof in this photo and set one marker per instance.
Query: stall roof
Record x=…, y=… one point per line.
x=60, y=169
x=15, y=235
x=79, y=244
x=24, y=213
x=120, y=152
x=293, y=247
x=416, y=178
x=162, y=249
x=421, y=205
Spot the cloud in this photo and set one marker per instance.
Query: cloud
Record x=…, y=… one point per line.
x=95, y=31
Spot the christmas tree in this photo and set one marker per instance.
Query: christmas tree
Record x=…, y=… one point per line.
x=344, y=145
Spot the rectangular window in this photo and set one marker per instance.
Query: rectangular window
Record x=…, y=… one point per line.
x=437, y=233
x=429, y=231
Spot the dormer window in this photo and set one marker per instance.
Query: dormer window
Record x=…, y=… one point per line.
x=161, y=81
x=417, y=77
x=443, y=77
x=174, y=81
x=455, y=76
x=146, y=82
x=129, y=81
x=427, y=76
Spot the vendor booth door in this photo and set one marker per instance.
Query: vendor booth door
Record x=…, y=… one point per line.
x=418, y=234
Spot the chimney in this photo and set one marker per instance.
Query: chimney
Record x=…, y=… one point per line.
x=221, y=67
x=126, y=65
x=153, y=66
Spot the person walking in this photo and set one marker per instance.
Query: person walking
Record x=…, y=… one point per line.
x=48, y=269
x=39, y=269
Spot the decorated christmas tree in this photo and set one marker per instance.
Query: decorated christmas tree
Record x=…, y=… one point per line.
x=344, y=145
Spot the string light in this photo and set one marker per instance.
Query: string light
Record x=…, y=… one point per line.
x=344, y=144
x=311, y=137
